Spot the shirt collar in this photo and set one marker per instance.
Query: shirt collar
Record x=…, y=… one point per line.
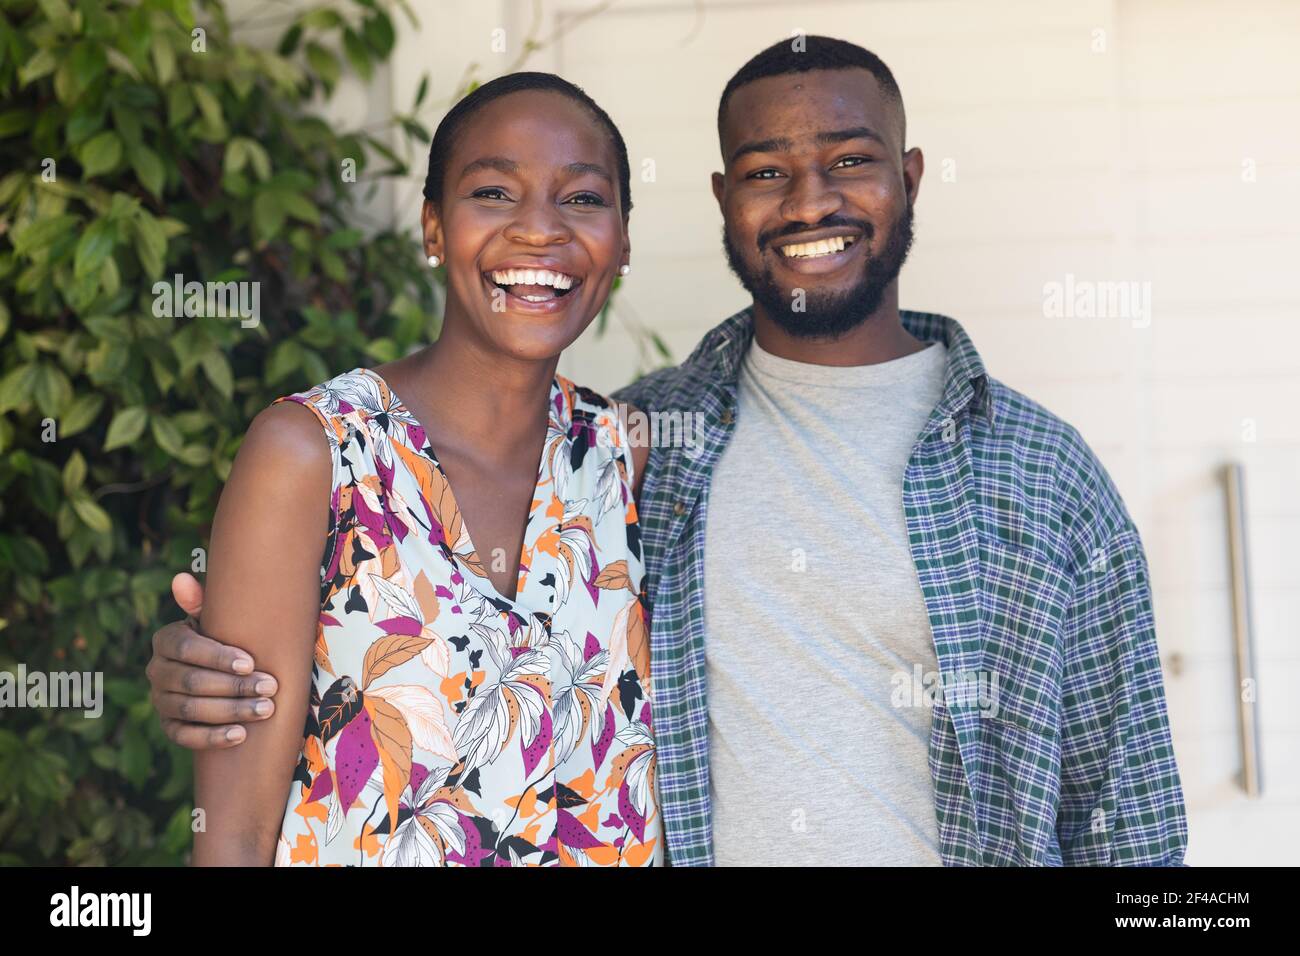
x=966, y=383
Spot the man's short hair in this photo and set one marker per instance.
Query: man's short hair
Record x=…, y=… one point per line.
x=803, y=53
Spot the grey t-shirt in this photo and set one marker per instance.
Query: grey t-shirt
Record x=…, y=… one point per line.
x=815, y=621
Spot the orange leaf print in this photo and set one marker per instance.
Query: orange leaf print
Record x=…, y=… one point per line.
x=525, y=803
x=638, y=853
x=451, y=687
x=638, y=640
x=305, y=851
x=436, y=490
x=618, y=768
x=602, y=855
x=584, y=785
x=393, y=740
x=426, y=598
x=613, y=577
x=388, y=652
x=590, y=818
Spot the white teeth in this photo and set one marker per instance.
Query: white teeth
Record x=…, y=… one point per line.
x=822, y=247
x=557, y=280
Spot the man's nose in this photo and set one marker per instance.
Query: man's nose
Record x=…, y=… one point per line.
x=811, y=198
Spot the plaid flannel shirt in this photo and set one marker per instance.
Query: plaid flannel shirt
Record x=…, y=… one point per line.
x=1033, y=574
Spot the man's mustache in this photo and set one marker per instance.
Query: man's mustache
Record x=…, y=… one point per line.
x=830, y=222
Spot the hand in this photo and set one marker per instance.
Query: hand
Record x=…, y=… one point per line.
x=203, y=690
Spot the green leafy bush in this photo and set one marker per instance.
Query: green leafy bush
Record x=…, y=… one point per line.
x=133, y=149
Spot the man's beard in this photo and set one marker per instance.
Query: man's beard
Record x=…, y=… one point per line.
x=830, y=314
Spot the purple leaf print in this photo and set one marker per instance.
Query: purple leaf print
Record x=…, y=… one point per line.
x=474, y=851
x=372, y=522
x=321, y=787
x=418, y=772
x=614, y=822
x=400, y=625
x=356, y=758
x=534, y=751
x=601, y=747
x=645, y=715
x=595, y=572
x=592, y=648
x=630, y=813
x=570, y=832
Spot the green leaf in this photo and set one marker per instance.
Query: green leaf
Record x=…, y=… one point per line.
x=80, y=414
x=17, y=387
x=41, y=233
x=218, y=372
x=324, y=63
x=41, y=64
x=74, y=472
x=208, y=104
x=167, y=435
x=268, y=214
x=148, y=169
x=358, y=56
x=300, y=207
x=92, y=515
x=101, y=153
x=236, y=155
x=95, y=245
x=260, y=160
x=180, y=104
x=378, y=31
x=150, y=244
x=164, y=59
x=53, y=391
x=127, y=426
x=195, y=454
x=284, y=361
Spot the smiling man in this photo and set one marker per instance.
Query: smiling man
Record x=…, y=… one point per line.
x=873, y=527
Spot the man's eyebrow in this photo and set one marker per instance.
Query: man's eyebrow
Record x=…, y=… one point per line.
x=576, y=169
x=499, y=163
x=844, y=135
x=830, y=137
x=775, y=145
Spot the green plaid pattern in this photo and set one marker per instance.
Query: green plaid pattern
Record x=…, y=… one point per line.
x=1034, y=577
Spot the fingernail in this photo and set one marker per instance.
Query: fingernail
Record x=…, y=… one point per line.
x=234, y=734
x=262, y=708
x=265, y=687
x=242, y=665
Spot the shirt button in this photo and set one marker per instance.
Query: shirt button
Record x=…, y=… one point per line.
x=679, y=508
x=726, y=417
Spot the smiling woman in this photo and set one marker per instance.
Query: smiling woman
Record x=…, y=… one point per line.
x=470, y=697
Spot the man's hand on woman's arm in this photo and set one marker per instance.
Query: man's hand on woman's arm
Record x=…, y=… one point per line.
x=204, y=691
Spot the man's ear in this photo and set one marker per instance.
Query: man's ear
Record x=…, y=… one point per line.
x=431, y=230
x=719, y=187
x=913, y=168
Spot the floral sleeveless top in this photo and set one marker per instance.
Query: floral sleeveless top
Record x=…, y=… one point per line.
x=449, y=725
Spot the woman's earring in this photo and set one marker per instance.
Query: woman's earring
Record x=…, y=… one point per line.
x=434, y=261
x=624, y=269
